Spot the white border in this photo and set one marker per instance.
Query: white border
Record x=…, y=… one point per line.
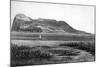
x=5, y=33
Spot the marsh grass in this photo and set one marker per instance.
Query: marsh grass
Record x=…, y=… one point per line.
x=25, y=55
x=87, y=46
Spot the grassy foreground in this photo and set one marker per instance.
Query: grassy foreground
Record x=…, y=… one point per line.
x=63, y=53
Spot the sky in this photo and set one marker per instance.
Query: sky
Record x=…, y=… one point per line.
x=79, y=17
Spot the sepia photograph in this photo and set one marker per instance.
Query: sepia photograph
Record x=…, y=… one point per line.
x=51, y=33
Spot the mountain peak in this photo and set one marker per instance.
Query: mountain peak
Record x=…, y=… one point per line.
x=22, y=17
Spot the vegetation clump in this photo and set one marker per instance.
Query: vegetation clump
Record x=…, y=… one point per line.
x=25, y=52
x=87, y=46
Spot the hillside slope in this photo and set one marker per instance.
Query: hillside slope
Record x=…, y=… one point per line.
x=24, y=23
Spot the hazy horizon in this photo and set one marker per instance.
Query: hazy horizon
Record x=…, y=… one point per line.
x=79, y=17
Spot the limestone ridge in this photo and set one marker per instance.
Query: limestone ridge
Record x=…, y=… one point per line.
x=24, y=23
